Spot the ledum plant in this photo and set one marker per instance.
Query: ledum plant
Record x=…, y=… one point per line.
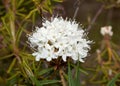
x=52, y=53
x=108, y=60
x=20, y=68
x=57, y=47
x=61, y=43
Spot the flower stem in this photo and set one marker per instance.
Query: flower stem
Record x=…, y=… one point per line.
x=62, y=77
x=95, y=17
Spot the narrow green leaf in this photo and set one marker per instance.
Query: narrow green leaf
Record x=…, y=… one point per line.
x=12, y=80
x=5, y=25
x=7, y=56
x=20, y=2
x=70, y=80
x=18, y=34
x=80, y=69
x=77, y=75
x=11, y=65
x=112, y=82
x=27, y=68
x=45, y=71
x=19, y=12
x=36, y=82
x=28, y=2
x=65, y=76
x=26, y=55
x=31, y=12
x=58, y=0
x=34, y=18
x=116, y=55
x=48, y=2
x=45, y=82
x=103, y=52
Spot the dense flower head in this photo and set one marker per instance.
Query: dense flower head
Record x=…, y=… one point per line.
x=59, y=38
x=107, y=30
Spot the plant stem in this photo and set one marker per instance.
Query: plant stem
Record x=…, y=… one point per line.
x=12, y=28
x=95, y=17
x=62, y=77
x=78, y=2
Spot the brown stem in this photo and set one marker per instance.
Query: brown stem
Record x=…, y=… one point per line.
x=62, y=77
x=95, y=17
x=16, y=53
x=78, y=2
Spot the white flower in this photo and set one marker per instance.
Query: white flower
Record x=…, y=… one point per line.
x=59, y=38
x=106, y=30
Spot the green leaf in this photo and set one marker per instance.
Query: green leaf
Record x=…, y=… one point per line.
x=27, y=68
x=12, y=80
x=26, y=55
x=36, y=82
x=70, y=79
x=65, y=76
x=6, y=25
x=45, y=71
x=11, y=65
x=20, y=2
x=48, y=2
x=112, y=82
x=103, y=52
x=18, y=34
x=77, y=77
x=58, y=0
x=45, y=82
x=80, y=69
x=31, y=13
x=116, y=55
x=7, y=56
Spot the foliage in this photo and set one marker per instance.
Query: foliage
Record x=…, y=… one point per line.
x=18, y=67
x=21, y=68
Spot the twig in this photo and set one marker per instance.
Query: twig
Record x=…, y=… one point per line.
x=62, y=78
x=95, y=17
x=77, y=8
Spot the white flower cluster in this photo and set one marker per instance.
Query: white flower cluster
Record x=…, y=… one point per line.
x=59, y=38
x=106, y=30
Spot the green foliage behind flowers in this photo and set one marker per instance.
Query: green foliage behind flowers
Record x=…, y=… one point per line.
x=19, y=68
